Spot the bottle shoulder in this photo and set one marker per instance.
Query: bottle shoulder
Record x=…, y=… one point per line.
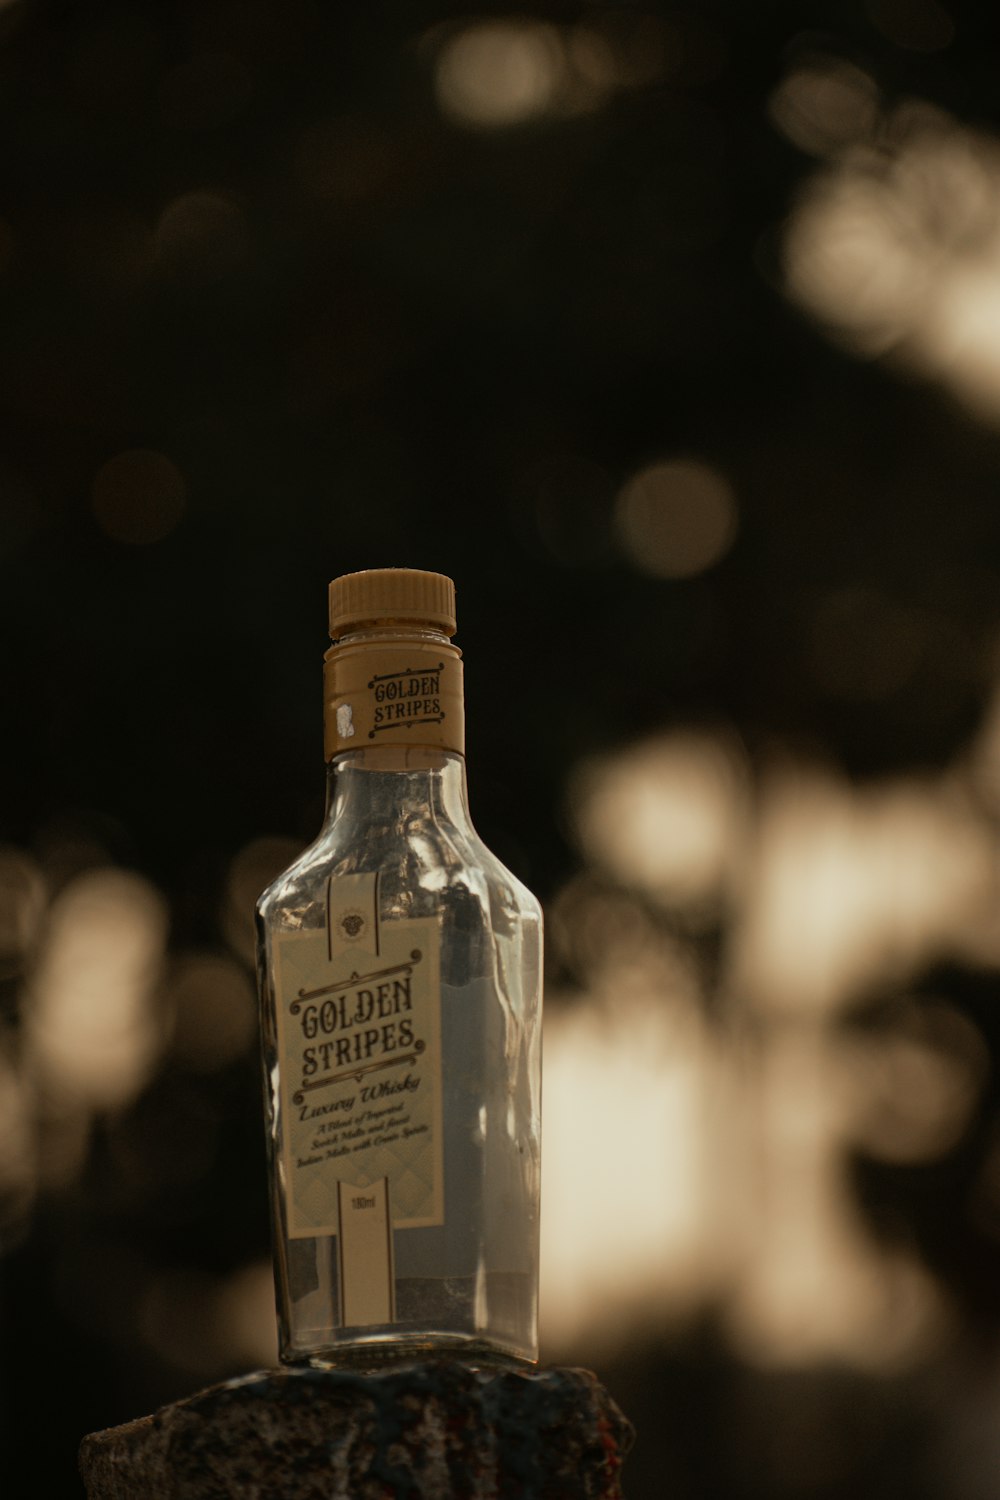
x=430, y=853
x=519, y=894
x=295, y=880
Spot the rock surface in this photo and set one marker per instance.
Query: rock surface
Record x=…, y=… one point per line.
x=439, y=1430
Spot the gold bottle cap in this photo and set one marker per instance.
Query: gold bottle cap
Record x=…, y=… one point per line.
x=390, y=596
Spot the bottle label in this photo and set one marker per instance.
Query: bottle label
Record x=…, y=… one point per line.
x=395, y=693
x=359, y=1033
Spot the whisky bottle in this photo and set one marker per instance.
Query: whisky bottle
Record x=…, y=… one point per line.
x=399, y=968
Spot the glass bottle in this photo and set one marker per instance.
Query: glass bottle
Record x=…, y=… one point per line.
x=399, y=969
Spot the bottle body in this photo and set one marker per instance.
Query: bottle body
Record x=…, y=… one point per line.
x=399, y=970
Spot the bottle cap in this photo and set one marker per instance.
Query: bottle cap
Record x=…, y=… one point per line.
x=389, y=596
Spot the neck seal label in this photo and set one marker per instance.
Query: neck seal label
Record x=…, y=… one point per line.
x=395, y=692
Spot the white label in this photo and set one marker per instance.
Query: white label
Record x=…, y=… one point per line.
x=359, y=1035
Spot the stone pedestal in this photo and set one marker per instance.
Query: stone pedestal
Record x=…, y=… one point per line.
x=439, y=1430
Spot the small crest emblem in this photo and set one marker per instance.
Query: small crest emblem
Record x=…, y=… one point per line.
x=352, y=924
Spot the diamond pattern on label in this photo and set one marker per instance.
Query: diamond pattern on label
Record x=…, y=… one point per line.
x=318, y=1202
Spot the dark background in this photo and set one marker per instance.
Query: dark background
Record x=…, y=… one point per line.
x=268, y=313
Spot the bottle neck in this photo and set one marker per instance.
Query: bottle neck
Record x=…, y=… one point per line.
x=397, y=780
x=393, y=686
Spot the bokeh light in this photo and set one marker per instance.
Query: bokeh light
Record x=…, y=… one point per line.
x=667, y=817
x=497, y=73
x=93, y=1021
x=214, y=1011
x=139, y=496
x=916, y=1082
x=677, y=518
x=813, y=1283
x=896, y=246
x=501, y=72
x=201, y=237
x=826, y=895
x=626, y=1182
x=855, y=889
x=825, y=105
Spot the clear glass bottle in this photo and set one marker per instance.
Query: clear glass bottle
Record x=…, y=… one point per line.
x=399, y=970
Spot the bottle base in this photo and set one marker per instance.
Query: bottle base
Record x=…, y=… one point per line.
x=377, y=1353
